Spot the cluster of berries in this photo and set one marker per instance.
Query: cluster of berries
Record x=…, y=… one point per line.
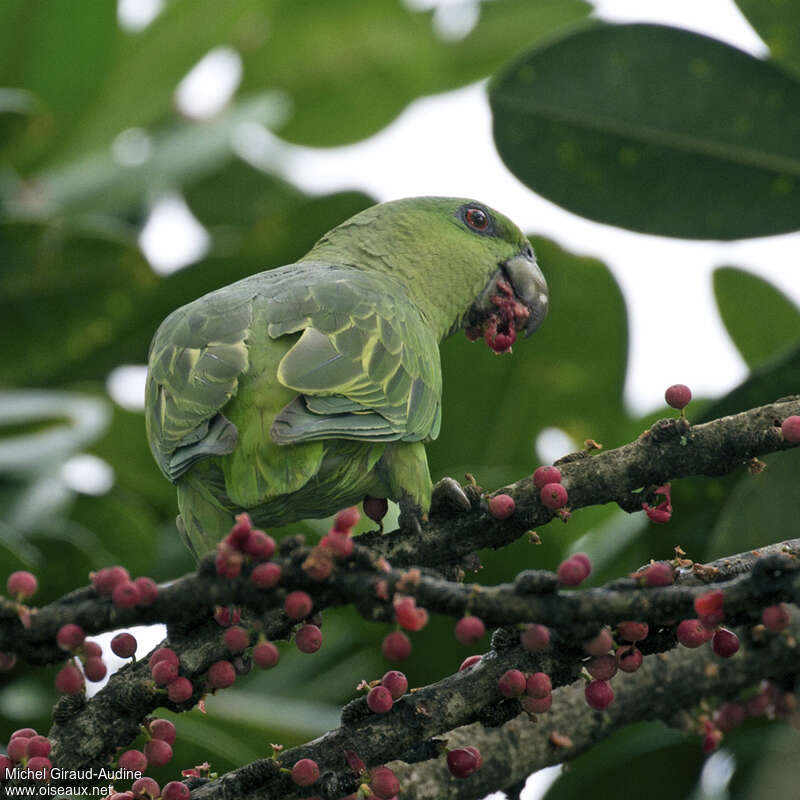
x=244, y=542
x=706, y=626
x=115, y=582
x=381, y=696
x=72, y=638
x=157, y=750
x=29, y=750
x=147, y=789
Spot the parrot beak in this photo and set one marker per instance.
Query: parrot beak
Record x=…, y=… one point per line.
x=529, y=286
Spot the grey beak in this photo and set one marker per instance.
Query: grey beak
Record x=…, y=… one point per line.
x=529, y=286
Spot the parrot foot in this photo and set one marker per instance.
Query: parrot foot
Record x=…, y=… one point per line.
x=411, y=516
x=448, y=492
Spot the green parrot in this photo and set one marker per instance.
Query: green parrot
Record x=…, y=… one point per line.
x=298, y=391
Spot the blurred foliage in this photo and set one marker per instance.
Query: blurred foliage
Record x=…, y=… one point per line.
x=78, y=297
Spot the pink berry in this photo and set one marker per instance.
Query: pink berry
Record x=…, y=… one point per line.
x=535, y=638
x=308, y=639
x=408, y=615
x=180, y=690
x=163, y=654
x=678, y=395
x=25, y=733
x=104, y=580
x=298, y=605
x=6, y=767
x=17, y=748
x=511, y=683
x=725, y=643
x=544, y=475
x=659, y=573
x=776, y=618
x=265, y=655
x=40, y=764
x=39, y=746
x=7, y=661
x=537, y=705
x=384, y=783
x=603, y=668
x=538, y=685
x=660, y=514
x=572, y=571
x=633, y=631
x=346, y=519
x=164, y=672
x=259, y=545
x=228, y=562
x=90, y=649
x=162, y=729
x=69, y=679
x=600, y=645
x=124, y=645
x=266, y=575
x=375, y=507
x=340, y=544
x=628, y=658
x=468, y=662
x=227, y=615
x=729, y=716
x=133, y=760
x=691, y=633
x=175, y=790
x=396, y=682
x=790, y=428
x=501, y=506
x=148, y=590
x=221, y=675
x=22, y=584
x=94, y=669
x=599, y=694
x=125, y=595
x=469, y=630
x=305, y=772
x=158, y=752
x=553, y=496
x=396, y=646
x=709, y=608
x=379, y=699
x=239, y=532
x=236, y=639
x=70, y=636
x=146, y=789
x=461, y=762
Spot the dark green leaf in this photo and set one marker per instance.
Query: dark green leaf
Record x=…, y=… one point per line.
x=655, y=129
x=777, y=22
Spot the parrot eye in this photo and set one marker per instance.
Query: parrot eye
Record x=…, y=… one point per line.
x=477, y=218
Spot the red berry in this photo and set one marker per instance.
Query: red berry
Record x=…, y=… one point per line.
x=538, y=685
x=603, y=668
x=553, y=496
x=22, y=584
x=375, y=507
x=104, y=580
x=729, y=716
x=164, y=672
x=6, y=766
x=145, y=789
x=659, y=573
x=94, y=669
x=379, y=699
x=265, y=655
x=470, y=629
x=628, y=658
x=511, y=683
x=709, y=605
x=266, y=576
x=17, y=748
x=25, y=733
x=319, y=565
x=90, y=649
x=535, y=638
x=7, y=661
x=228, y=562
x=340, y=544
x=384, y=783
x=298, y=605
x=239, y=532
x=461, y=762
x=163, y=654
x=236, y=639
x=501, y=506
x=408, y=615
x=599, y=694
x=711, y=741
x=691, y=633
x=133, y=760
x=175, y=790
x=308, y=639
x=162, y=729
x=158, y=752
x=600, y=645
x=725, y=643
x=69, y=679
x=633, y=631
x=544, y=475
x=659, y=514
x=39, y=746
x=396, y=646
x=305, y=772
x=468, y=662
x=125, y=595
x=70, y=636
x=678, y=395
x=180, y=690
x=537, y=705
x=259, y=545
x=790, y=428
x=227, y=615
x=346, y=519
x=396, y=682
x=572, y=571
x=148, y=590
x=124, y=645
x=776, y=618
x=221, y=675
x=40, y=764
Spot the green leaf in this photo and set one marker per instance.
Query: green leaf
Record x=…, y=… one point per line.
x=777, y=22
x=654, y=129
x=761, y=320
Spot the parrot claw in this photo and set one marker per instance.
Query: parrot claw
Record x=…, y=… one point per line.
x=448, y=491
x=411, y=516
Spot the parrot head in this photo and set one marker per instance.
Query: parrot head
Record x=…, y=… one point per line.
x=464, y=264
